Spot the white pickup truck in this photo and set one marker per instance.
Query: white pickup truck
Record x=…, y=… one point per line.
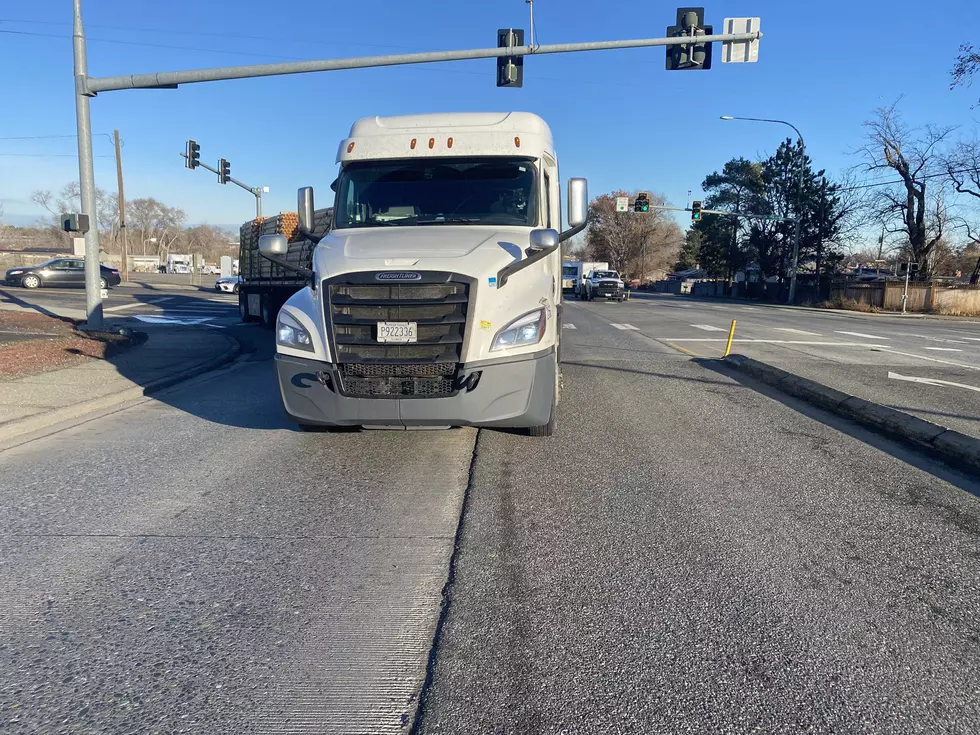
x=604, y=284
x=434, y=300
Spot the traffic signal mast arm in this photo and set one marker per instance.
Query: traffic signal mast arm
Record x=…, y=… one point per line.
x=170, y=79
x=232, y=179
x=723, y=212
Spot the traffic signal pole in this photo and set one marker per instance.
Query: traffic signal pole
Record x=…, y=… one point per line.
x=87, y=87
x=86, y=173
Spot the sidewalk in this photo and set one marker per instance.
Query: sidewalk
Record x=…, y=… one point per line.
x=170, y=355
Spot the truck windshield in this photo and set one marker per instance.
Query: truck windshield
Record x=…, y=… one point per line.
x=498, y=191
x=607, y=274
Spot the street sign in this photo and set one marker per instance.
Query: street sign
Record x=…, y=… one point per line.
x=104, y=294
x=622, y=204
x=740, y=52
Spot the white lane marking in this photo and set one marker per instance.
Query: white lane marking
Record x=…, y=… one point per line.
x=973, y=339
x=568, y=326
x=931, y=381
x=625, y=326
x=152, y=302
x=944, y=349
x=229, y=300
x=184, y=321
x=707, y=328
x=798, y=331
x=859, y=334
x=718, y=307
x=886, y=348
x=764, y=341
x=749, y=308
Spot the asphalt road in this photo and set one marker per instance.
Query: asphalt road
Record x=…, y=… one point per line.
x=687, y=554
x=881, y=358
x=153, y=302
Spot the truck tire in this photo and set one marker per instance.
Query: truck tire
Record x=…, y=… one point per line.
x=243, y=308
x=268, y=315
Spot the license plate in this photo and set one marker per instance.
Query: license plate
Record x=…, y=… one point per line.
x=398, y=332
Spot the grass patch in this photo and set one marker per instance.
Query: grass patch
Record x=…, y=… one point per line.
x=839, y=302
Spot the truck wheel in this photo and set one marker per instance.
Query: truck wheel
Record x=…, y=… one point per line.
x=268, y=317
x=243, y=308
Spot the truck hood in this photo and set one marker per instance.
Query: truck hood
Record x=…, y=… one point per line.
x=466, y=249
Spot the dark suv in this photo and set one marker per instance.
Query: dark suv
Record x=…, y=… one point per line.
x=64, y=272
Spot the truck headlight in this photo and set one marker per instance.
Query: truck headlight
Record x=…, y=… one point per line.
x=526, y=330
x=290, y=334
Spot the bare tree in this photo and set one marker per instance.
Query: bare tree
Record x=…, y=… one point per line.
x=634, y=243
x=962, y=165
x=907, y=207
x=156, y=222
x=69, y=199
x=967, y=64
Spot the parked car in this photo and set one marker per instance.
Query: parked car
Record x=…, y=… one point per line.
x=59, y=272
x=229, y=284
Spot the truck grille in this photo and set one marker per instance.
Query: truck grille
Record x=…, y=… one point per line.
x=427, y=368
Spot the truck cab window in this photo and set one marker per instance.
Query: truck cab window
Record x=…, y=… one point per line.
x=439, y=191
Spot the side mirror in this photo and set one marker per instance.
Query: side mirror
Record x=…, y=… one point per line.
x=578, y=202
x=543, y=239
x=304, y=207
x=273, y=246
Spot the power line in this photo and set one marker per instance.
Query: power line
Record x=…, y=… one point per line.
x=214, y=34
x=900, y=181
x=49, y=155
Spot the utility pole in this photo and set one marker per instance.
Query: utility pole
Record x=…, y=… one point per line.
x=86, y=173
x=122, y=209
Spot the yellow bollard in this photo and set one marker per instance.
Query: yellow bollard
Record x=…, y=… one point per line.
x=731, y=336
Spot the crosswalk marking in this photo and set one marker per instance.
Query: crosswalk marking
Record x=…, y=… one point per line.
x=798, y=331
x=860, y=334
x=708, y=328
x=568, y=326
x=152, y=302
x=626, y=326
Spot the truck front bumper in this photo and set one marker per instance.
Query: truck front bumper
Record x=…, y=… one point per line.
x=510, y=393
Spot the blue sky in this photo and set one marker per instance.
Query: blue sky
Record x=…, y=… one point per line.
x=618, y=117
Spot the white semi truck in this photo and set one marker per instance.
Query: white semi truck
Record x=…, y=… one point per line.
x=434, y=300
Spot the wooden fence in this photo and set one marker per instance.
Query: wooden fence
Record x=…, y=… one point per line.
x=933, y=297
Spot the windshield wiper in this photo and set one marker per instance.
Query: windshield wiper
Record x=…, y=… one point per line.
x=449, y=220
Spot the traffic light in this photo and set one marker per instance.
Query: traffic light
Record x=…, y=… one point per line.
x=510, y=69
x=696, y=210
x=193, y=154
x=695, y=56
x=224, y=171
x=642, y=203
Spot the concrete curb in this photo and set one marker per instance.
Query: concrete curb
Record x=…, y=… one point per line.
x=951, y=445
x=45, y=420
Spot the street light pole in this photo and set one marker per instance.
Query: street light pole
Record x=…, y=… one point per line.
x=799, y=198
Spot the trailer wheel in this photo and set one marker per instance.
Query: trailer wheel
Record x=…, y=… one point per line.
x=243, y=308
x=268, y=316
